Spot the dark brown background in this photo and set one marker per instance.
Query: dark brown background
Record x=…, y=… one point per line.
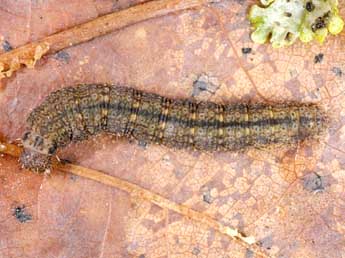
x=274, y=195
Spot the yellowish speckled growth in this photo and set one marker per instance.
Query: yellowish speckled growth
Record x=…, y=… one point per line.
x=283, y=21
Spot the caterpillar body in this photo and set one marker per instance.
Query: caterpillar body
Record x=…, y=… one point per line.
x=76, y=113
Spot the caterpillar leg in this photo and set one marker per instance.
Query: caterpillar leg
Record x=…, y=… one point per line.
x=35, y=161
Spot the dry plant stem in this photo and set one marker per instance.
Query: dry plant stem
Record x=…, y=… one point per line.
x=137, y=191
x=30, y=53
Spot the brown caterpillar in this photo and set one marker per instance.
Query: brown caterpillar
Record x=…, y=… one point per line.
x=75, y=113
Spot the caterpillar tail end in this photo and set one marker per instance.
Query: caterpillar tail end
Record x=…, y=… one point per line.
x=35, y=161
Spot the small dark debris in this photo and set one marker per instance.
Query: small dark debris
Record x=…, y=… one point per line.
x=206, y=195
x=310, y=6
x=337, y=71
x=288, y=14
x=63, y=56
x=6, y=46
x=143, y=144
x=21, y=215
x=318, y=58
x=196, y=251
x=246, y=50
x=313, y=183
x=142, y=256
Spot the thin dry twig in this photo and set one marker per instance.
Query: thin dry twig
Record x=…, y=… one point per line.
x=137, y=191
x=30, y=53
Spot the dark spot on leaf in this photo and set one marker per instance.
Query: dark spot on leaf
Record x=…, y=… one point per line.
x=196, y=251
x=337, y=71
x=20, y=214
x=313, y=183
x=143, y=144
x=310, y=6
x=318, y=58
x=246, y=50
x=205, y=83
x=206, y=195
x=63, y=56
x=6, y=46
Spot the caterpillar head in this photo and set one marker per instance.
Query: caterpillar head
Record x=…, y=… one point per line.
x=37, y=152
x=313, y=122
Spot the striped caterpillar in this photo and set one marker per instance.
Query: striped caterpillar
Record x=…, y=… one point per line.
x=75, y=113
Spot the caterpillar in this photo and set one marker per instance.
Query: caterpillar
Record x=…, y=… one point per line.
x=75, y=113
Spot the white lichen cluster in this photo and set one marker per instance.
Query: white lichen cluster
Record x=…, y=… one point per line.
x=283, y=21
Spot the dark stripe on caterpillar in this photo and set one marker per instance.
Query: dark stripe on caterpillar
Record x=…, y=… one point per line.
x=203, y=123
x=75, y=113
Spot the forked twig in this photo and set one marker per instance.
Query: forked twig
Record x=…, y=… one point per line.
x=30, y=53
